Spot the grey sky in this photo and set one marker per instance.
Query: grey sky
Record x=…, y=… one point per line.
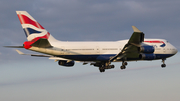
x=25, y=77
x=44, y=80
x=91, y=20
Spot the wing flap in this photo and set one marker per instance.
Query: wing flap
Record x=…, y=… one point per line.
x=58, y=58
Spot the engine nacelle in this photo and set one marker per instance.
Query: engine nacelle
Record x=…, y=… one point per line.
x=66, y=63
x=147, y=56
x=146, y=49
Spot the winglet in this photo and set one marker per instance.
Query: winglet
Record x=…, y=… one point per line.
x=135, y=29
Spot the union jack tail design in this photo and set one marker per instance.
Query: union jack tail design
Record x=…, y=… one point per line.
x=32, y=28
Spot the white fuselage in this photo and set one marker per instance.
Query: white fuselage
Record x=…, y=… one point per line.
x=91, y=50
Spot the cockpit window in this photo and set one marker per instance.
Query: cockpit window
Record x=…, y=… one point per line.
x=167, y=41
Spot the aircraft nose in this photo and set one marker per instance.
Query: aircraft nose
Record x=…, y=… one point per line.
x=175, y=51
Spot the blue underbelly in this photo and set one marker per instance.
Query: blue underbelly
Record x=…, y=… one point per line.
x=106, y=57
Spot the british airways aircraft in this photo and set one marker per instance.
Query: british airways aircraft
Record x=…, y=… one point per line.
x=99, y=54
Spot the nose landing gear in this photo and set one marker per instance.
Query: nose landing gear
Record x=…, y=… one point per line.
x=163, y=65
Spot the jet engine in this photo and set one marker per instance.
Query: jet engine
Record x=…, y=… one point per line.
x=66, y=63
x=147, y=56
x=146, y=49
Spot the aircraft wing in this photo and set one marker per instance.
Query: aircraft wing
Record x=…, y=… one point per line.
x=130, y=50
x=21, y=53
x=50, y=56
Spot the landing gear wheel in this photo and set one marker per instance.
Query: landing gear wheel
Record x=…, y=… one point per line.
x=125, y=63
x=163, y=65
x=123, y=67
x=112, y=66
x=101, y=69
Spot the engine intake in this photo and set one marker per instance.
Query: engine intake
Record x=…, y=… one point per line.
x=146, y=49
x=66, y=63
x=147, y=56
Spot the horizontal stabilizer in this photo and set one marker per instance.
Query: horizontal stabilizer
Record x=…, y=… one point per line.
x=19, y=52
x=14, y=46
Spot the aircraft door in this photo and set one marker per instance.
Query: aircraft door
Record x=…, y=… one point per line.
x=164, y=50
x=62, y=50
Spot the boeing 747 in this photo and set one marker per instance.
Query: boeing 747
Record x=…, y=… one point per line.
x=98, y=54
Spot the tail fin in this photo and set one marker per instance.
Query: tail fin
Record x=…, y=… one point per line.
x=32, y=28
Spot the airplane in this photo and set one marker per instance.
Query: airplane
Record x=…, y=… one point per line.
x=99, y=54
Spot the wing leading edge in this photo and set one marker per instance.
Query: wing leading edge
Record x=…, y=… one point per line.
x=130, y=50
x=40, y=55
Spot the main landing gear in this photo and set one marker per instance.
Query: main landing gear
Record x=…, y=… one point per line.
x=163, y=65
x=105, y=66
x=124, y=65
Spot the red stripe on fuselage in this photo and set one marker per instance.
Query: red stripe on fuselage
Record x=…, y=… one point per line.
x=154, y=41
x=28, y=44
x=26, y=20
